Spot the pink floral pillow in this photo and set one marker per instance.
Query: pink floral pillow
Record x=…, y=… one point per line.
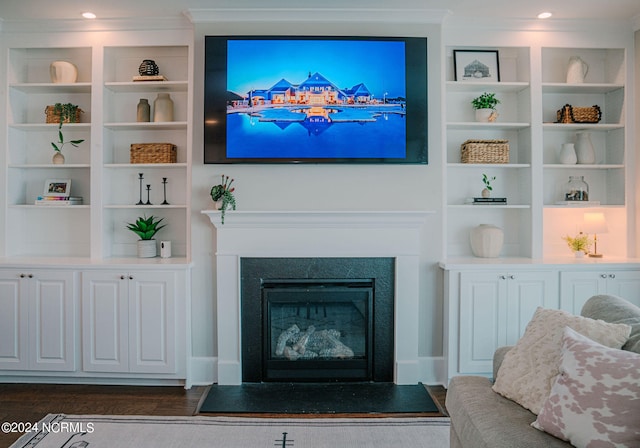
x=595, y=402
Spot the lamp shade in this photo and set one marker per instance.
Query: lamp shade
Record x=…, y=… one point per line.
x=594, y=223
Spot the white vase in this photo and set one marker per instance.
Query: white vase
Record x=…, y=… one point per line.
x=577, y=69
x=568, y=154
x=486, y=115
x=147, y=248
x=486, y=240
x=584, y=148
x=63, y=72
x=163, y=108
x=58, y=158
x=143, y=111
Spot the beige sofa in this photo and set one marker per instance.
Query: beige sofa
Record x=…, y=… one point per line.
x=481, y=418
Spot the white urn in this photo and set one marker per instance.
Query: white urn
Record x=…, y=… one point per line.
x=63, y=72
x=486, y=240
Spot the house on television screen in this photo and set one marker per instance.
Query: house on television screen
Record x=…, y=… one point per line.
x=315, y=90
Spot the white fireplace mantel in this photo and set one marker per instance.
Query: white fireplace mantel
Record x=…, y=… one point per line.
x=393, y=234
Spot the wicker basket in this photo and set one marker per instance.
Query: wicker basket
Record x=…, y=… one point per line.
x=571, y=114
x=485, y=151
x=53, y=117
x=153, y=153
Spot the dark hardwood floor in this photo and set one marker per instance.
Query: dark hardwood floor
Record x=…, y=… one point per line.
x=31, y=402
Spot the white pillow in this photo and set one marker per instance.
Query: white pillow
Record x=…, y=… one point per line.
x=596, y=398
x=530, y=368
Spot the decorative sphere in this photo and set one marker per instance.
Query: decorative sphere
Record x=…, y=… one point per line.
x=148, y=67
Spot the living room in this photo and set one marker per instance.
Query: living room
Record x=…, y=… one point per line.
x=91, y=245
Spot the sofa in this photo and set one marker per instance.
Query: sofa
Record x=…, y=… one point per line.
x=481, y=418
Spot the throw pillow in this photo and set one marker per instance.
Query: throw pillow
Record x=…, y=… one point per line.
x=596, y=398
x=530, y=368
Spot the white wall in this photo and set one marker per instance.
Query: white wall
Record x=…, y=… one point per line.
x=322, y=187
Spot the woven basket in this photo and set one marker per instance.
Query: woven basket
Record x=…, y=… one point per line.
x=53, y=117
x=153, y=153
x=485, y=151
x=571, y=114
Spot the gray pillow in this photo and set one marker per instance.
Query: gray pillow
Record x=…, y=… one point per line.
x=616, y=310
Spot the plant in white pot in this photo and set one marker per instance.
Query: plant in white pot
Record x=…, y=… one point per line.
x=485, y=106
x=146, y=228
x=222, y=196
x=58, y=157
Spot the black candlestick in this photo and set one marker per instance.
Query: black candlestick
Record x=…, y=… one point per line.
x=164, y=186
x=140, y=178
x=148, y=189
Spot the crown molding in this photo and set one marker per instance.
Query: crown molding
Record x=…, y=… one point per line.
x=307, y=15
x=453, y=22
x=84, y=25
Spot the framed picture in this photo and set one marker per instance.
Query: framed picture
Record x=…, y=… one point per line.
x=476, y=65
x=60, y=188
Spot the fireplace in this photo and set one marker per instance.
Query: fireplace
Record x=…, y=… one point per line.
x=391, y=235
x=317, y=319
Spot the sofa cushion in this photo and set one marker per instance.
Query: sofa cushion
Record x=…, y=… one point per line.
x=530, y=368
x=616, y=310
x=596, y=398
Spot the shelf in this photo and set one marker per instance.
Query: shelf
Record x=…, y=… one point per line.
x=476, y=206
x=44, y=87
x=50, y=207
x=145, y=165
x=489, y=165
x=473, y=86
x=147, y=86
x=153, y=206
x=586, y=167
x=582, y=126
x=474, y=125
x=50, y=127
x=151, y=126
x=50, y=166
x=559, y=87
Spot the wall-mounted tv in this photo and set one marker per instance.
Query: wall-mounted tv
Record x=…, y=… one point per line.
x=313, y=99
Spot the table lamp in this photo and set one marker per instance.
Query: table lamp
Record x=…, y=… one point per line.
x=594, y=223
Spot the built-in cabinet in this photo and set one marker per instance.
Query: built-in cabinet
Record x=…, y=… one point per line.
x=487, y=306
x=37, y=320
x=532, y=88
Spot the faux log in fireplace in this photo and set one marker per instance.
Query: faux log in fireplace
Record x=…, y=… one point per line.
x=316, y=320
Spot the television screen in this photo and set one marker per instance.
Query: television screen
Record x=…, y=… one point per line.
x=315, y=100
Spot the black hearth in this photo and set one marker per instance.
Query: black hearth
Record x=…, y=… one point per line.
x=317, y=320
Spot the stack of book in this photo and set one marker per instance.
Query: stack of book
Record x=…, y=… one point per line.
x=491, y=201
x=58, y=200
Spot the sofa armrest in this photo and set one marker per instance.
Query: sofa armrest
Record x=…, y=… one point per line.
x=498, y=357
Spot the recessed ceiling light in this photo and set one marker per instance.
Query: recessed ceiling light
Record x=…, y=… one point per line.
x=88, y=15
x=544, y=15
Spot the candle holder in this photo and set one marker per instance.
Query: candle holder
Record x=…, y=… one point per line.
x=148, y=190
x=140, y=179
x=164, y=186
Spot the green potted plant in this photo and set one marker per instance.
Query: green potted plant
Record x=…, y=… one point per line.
x=222, y=196
x=146, y=228
x=58, y=157
x=65, y=112
x=579, y=244
x=486, y=180
x=485, y=106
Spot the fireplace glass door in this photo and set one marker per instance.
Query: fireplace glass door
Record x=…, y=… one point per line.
x=317, y=330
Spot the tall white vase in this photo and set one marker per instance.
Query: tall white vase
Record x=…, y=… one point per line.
x=486, y=240
x=576, y=70
x=163, y=108
x=568, y=154
x=584, y=148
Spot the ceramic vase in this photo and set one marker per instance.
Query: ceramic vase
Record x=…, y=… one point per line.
x=148, y=67
x=486, y=115
x=147, y=248
x=63, y=72
x=58, y=158
x=584, y=148
x=568, y=154
x=577, y=69
x=486, y=240
x=163, y=108
x=143, y=113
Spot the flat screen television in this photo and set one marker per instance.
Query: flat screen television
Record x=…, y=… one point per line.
x=314, y=99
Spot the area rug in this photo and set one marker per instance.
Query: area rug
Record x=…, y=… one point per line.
x=93, y=431
x=318, y=398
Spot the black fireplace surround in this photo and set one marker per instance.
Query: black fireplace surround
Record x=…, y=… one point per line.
x=281, y=297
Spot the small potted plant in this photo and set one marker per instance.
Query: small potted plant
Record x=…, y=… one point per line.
x=579, y=244
x=58, y=157
x=486, y=180
x=222, y=196
x=485, y=106
x=146, y=228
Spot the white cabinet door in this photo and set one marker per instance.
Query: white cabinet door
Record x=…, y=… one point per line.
x=37, y=320
x=105, y=333
x=52, y=321
x=495, y=308
x=577, y=287
x=152, y=322
x=14, y=321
